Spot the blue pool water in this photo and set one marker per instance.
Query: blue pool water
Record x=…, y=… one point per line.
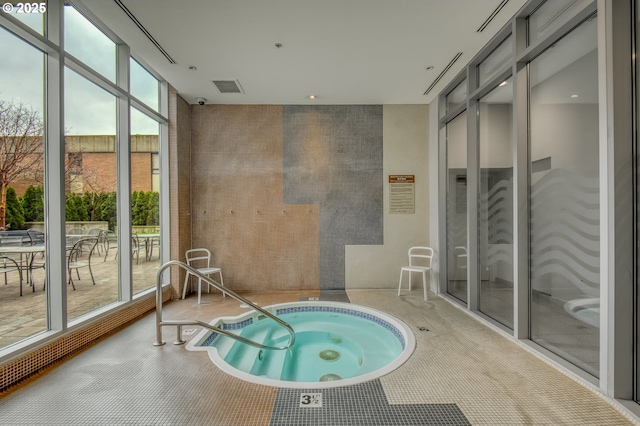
x=330, y=345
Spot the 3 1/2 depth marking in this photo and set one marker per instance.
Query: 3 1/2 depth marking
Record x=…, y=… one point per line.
x=311, y=400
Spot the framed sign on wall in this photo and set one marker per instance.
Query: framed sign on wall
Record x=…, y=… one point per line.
x=402, y=198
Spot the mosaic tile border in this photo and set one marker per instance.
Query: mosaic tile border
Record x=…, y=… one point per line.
x=361, y=404
x=226, y=326
x=364, y=315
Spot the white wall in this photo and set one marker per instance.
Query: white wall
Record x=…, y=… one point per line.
x=405, y=152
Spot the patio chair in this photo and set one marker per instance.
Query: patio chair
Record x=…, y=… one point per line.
x=36, y=237
x=18, y=259
x=110, y=241
x=200, y=259
x=76, y=258
x=419, y=261
x=97, y=232
x=135, y=248
x=73, y=235
x=150, y=244
x=7, y=265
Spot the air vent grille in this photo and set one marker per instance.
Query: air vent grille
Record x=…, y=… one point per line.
x=228, y=86
x=444, y=71
x=491, y=17
x=145, y=31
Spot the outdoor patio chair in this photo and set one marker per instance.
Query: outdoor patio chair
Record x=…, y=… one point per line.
x=79, y=256
x=200, y=259
x=19, y=259
x=135, y=248
x=36, y=237
x=97, y=232
x=150, y=244
x=7, y=265
x=419, y=261
x=110, y=242
x=73, y=235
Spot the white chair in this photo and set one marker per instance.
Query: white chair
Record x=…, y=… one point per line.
x=460, y=264
x=419, y=261
x=200, y=259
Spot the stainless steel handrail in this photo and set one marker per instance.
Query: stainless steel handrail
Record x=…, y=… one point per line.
x=179, y=323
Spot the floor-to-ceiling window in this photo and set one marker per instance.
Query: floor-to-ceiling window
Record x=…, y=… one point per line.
x=22, y=135
x=496, y=203
x=145, y=200
x=564, y=198
x=90, y=118
x=90, y=134
x=145, y=192
x=98, y=102
x=456, y=137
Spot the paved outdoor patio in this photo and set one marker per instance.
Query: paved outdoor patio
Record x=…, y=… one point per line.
x=24, y=316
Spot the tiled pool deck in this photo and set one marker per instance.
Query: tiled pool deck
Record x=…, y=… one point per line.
x=461, y=372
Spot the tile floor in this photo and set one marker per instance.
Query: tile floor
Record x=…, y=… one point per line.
x=460, y=373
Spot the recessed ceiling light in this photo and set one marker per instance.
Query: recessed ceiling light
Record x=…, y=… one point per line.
x=504, y=83
x=278, y=45
x=312, y=97
x=429, y=68
x=575, y=96
x=192, y=67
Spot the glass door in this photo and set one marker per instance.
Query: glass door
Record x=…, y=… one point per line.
x=457, y=207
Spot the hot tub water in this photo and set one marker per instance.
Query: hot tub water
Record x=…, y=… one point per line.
x=336, y=344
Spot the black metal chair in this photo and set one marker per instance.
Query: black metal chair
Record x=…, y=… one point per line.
x=36, y=237
x=76, y=258
x=7, y=265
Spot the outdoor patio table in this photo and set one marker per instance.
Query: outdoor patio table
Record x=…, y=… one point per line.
x=31, y=252
x=148, y=241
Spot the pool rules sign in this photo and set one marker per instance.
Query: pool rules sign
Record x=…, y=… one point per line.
x=402, y=198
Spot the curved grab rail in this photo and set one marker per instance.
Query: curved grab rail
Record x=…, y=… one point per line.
x=179, y=323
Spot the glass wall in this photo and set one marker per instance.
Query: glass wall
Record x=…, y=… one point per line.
x=90, y=277
x=550, y=16
x=564, y=199
x=31, y=14
x=90, y=186
x=23, y=302
x=496, y=61
x=87, y=43
x=456, y=134
x=144, y=85
x=552, y=160
x=455, y=98
x=496, y=203
x=145, y=201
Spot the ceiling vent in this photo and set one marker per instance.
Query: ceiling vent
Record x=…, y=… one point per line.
x=444, y=71
x=491, y=17
x=145, y=31
x=228, y=86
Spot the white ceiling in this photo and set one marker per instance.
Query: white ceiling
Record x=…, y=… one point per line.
x=342, y=51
